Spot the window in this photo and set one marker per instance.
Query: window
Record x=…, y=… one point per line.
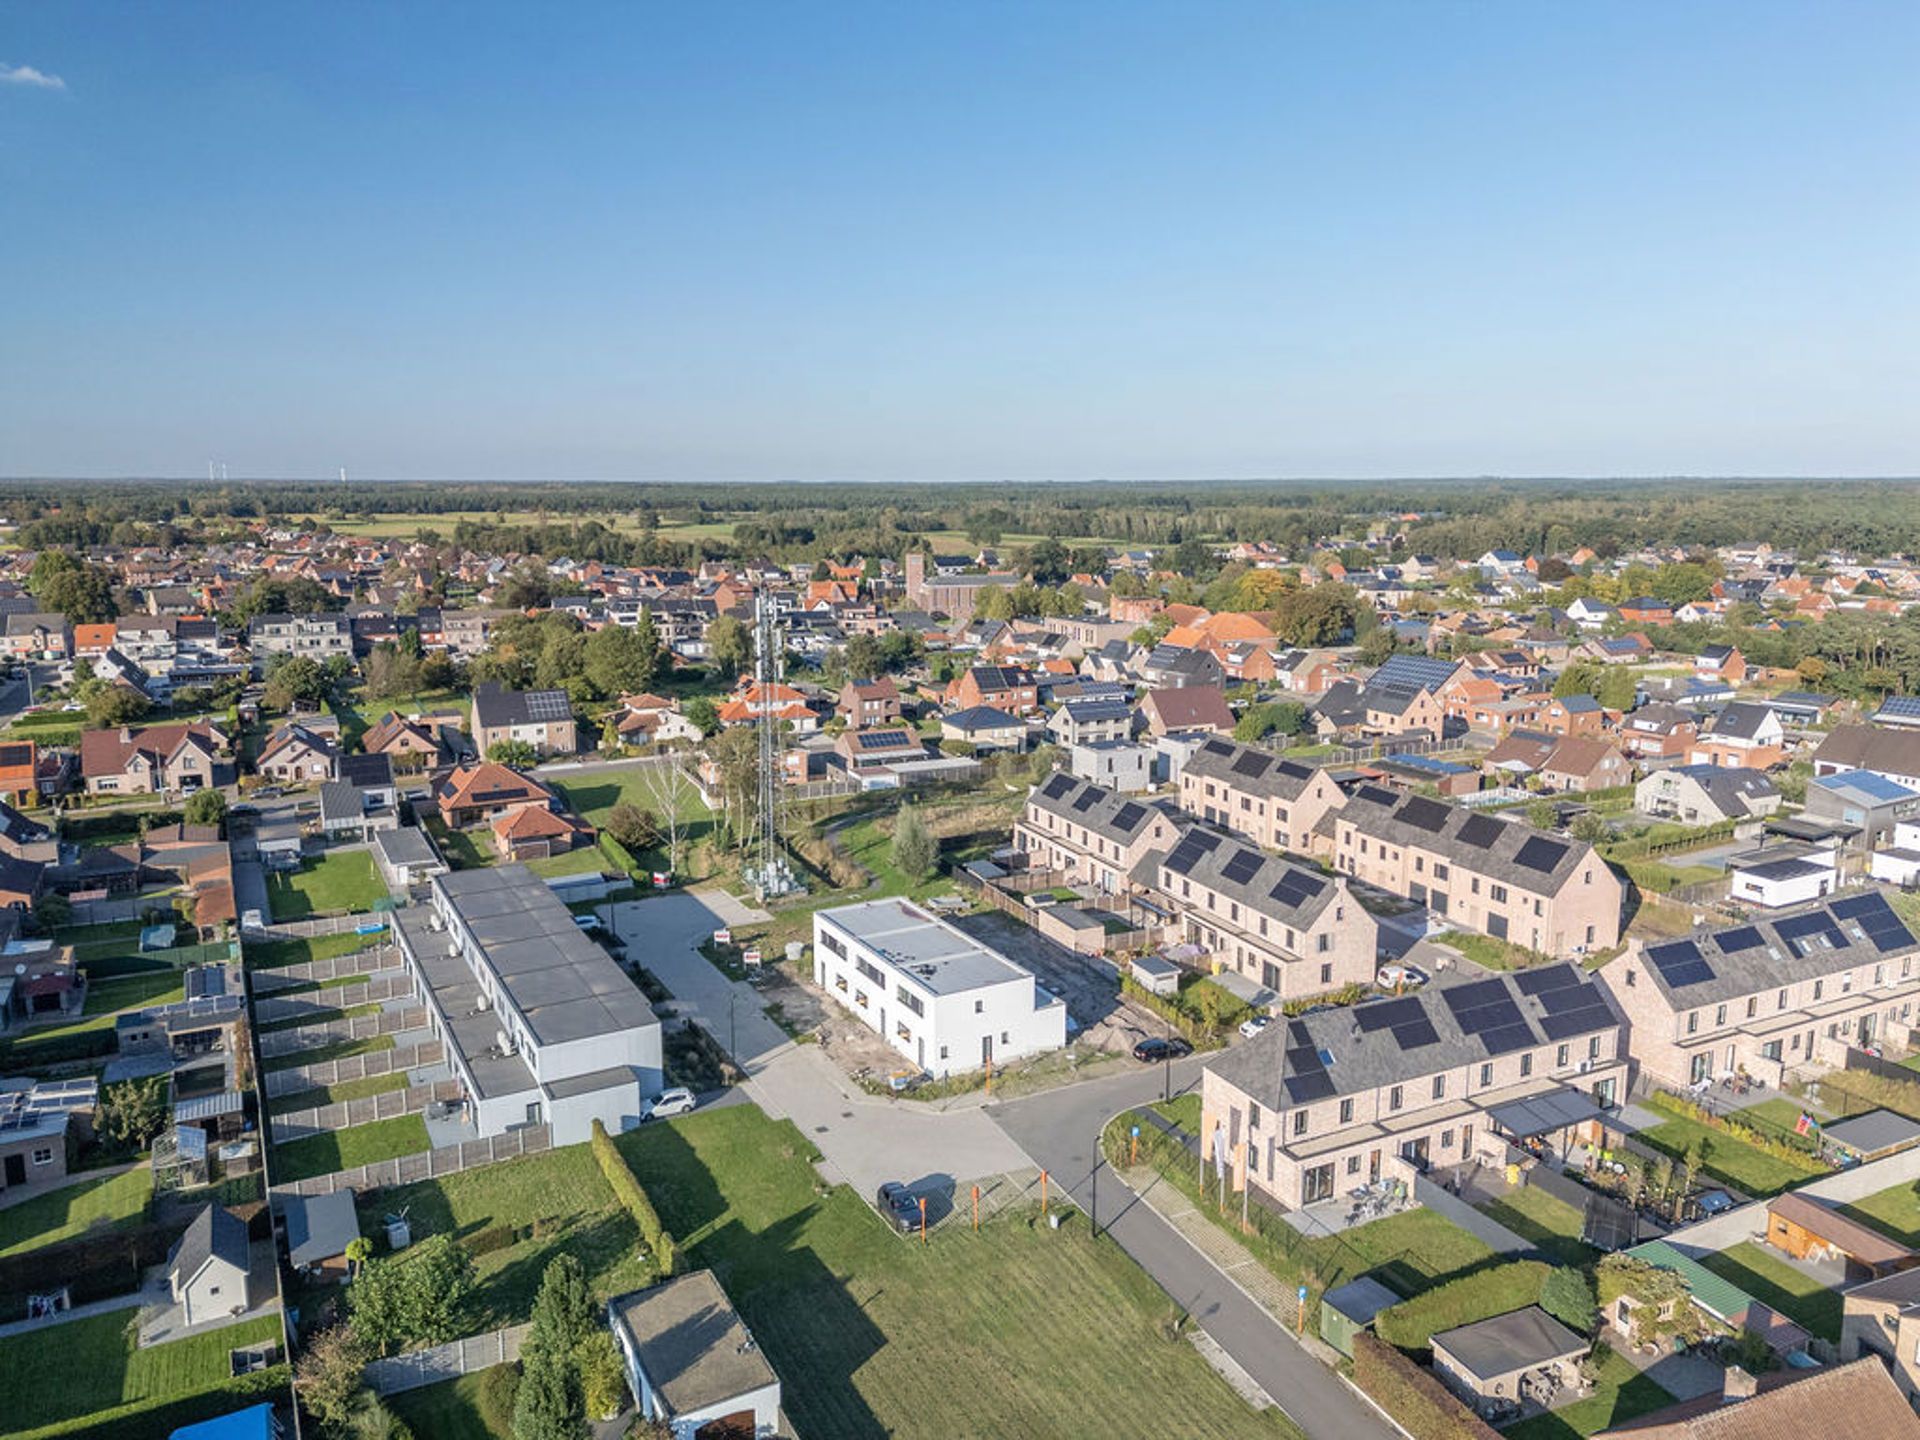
x=1394, y=1098
x=1561, y=1059
x=1353, y=1164
x=1346, y=1112
x=830, y=942
x=979, y=1007
x=1753, y=1004
x=43, y=1156
x=1253, y=1117
x=1781, y=1003
x=1818, y=986
x=907, y=998
x=840, y=983
x=1720, y=1015
x=1693, y=1021
x=1322, y=944
x=1326, y=974
x=1439, y=1087
x=1299, y=1122
x=871, y=972
x=1446, y=1139
x=1486, y=1074
x=1497, y=893
x=1593, y=1047
x=1440, y=872
x=1631, y=977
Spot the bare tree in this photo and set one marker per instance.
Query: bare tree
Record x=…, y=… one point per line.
x=668, y=787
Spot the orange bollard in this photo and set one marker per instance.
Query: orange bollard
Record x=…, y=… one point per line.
x=976, y=1208
x=1043, y=1192
x=923, y=1219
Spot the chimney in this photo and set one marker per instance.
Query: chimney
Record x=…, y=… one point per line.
x=1739, y=1385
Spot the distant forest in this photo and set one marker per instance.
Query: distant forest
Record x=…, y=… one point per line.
x=637, y=523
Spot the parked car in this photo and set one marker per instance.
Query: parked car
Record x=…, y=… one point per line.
x=267, y=792
x=588, y=923
x=1156, y=1048
x=675, y=1101
x=1397, y=977
x=1714, y=1202
x=1254, y=1024
x=898, y=1206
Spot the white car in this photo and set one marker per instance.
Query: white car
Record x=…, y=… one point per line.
x=677, y=1101
x=1254, y=1024
x=1395, y=977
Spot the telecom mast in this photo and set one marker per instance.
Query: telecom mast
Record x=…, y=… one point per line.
x=772, y=875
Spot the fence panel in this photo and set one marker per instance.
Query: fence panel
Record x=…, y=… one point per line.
x=357, y=1027
x=294, y=1079
x=388, y=1105
x=426, y=1165
x=416, y=1368
x=375, y=961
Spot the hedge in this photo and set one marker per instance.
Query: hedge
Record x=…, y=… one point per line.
x=1414, y=1397
x=1802, y=1153
x=621, y=857
x=626, y=1188
x=142, y=1420
x=1411, y=1324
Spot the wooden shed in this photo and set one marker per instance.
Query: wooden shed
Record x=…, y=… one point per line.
x=1808, y=1230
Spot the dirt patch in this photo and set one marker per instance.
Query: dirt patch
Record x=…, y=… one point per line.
x=1089, y=984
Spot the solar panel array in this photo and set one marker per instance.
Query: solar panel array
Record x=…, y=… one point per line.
x=1551, y=977
x=1086, y=800
x=1412, y=672
x=1425, y=814
x=1813, y=931
x=1251, y=764
x=1573, y=1006
x=1680, y=963
x=1188, y=852
x=1480, y=831
x=1486, y=1011
x=1129, y=815
x=1244, y=865
x=1296, y=888
x=1540, y=853
x=548, y=705
x=1307, y=1079
x=1405, y=1020
x=1901, y=707
x=1740, y=938
x=1058, y=785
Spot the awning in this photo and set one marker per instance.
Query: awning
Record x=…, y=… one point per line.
x=1544, y=1114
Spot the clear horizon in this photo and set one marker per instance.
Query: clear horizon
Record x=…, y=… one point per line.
x=1063, y=243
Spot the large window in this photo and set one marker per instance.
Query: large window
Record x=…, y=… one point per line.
x=1317, y=1185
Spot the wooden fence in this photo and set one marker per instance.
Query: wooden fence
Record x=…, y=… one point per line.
x=427, y=1165
x=388, y=1105
x=360, y=962
x=321, y=1073
x=356, y=1027
x=416, y=1368
x=395, y=985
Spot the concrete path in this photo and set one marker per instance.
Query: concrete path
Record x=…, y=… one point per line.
x=1060, y=1130
x=864, y=1139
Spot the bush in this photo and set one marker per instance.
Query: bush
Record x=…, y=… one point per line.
x=1494, y=1291
x=485, y=1242
x=627, y=1189
x=92, y=1267
x=1793, y=1152
x=621, y=858
x=499, y=1389
x=1412, y=1396
x=1568, y=1297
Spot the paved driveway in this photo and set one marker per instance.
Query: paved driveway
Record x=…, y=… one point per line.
x=864, y=1140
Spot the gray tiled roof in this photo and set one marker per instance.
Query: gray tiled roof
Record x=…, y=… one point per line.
x=1434, y=825
x=1771, y=952
x=1247, y=768
x=1103, y=812
x=1291, y=893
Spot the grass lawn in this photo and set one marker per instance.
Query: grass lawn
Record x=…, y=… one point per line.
x=1776, y=1117
x=1547, y=1221
x=1768, y=1278
x=1620, y=1393
x=339, y=1050
x=556, y=1202
x=272, y=954
x=336, y=1094
x=153, y=987
x=875, y=1336
x=344, y=881
x=355, y=1145
x=1730, y=1161
x=585, y=861
x=82, y=1366
x=109, y=1201
x=1894, y=1211
x=317, y=1017
x=1487, y=951
x=447, y=1411
x=462, y=849
x=593, y=797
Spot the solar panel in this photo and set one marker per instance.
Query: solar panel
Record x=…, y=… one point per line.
x=1415, y=1034
x=1902, y=706
x=1794, y=927
x=1058, y=785
x=1185, y=855
x=1242, y=867
x=1506, y=1038
x=1745, y=937
x=1425, y=814
x=1298, y=1033
x=1128, y=816
x=1314, y=1085
x=1384, y=1013
x=1480, y=831
x=1551, y=977
x=1540, y=853
x=1086, y=800
x=1467, y=997
x=1294, y=770
x=1888, y=941
x=1252, y=764
x=1575, y=1022
x=548, y=704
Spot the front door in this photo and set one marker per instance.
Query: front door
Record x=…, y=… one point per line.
x=986, y=1050
x=16, y=1170
x=1373, y=1168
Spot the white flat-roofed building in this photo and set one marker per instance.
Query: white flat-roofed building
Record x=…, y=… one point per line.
x=937, y=995
x=541, y=1025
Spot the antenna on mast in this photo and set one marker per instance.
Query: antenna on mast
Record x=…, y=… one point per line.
x=343, y=474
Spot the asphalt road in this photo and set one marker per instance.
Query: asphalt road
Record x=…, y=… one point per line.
x=1060, y=1130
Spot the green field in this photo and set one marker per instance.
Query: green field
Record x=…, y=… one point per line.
x=555, y=1202
x=1548, y=1222
x=1894, y=1211
x=1728, y=1160
x=109, y=1201
x=1767, y=1278
x=592, y=798
x=585, y=861
x=873, y=1335
x=272, y=954
x=336, y=1094
x=72, y=1370
x=447, y=1411
x=345, y=881
x=1620, y=1394
x=344, y=1149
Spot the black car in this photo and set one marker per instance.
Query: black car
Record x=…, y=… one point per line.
x=898, y=1206
x=1155, y=1048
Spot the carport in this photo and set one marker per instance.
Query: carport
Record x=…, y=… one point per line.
x=1551, y=1120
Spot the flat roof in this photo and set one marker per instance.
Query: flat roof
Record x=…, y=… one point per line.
x=564, y=984
x=692, y=1344
x=457, y=995
x=1518, y=1340
x=1873, y=1132
x=404, y=846
x=935, y=954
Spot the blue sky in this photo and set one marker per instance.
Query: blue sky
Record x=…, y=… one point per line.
x=959, y=241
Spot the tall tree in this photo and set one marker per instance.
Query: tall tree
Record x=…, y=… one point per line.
x=730, y=644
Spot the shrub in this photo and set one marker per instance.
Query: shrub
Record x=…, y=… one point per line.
x=627, y=1189
x=1412, y=1396
x=492, y=1238
x=499, y=1388
x=1494, y=1291
x=1568, y=1297
x=1794, y=1152
x=618, y=855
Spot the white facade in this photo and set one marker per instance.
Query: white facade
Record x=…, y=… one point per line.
x=934, y=993
x=1785, y=882
x=1117, y=764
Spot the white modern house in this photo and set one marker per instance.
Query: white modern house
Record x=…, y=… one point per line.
x=541, y=1026
x=1898, y=862
x=936, y=994
x=1777, y=875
